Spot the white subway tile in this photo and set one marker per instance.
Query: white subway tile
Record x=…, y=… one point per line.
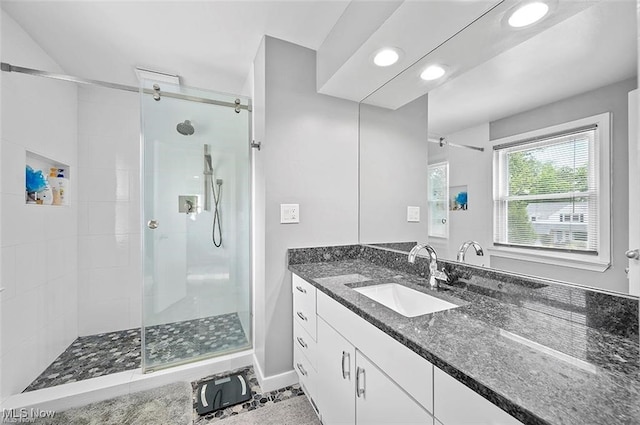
x=106, y=316
x=104, y=251
x=57, y=258
x=9, y=274
x=21, y=223
x=84, y=252
x=61, y=222
x=13, y=163
x=109, y=218
x=31, y=266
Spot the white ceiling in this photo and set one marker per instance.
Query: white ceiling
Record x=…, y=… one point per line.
x=210, y=44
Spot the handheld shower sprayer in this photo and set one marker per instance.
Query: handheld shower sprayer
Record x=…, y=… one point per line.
x=210, y=189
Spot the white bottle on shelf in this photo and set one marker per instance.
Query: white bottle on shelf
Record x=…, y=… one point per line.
x=46, y=195
x=60, y=185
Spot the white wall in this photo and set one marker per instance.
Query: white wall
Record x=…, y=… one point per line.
x=309, y=156
x=393, y=158
x=109, y=289
x=612, y=98
x=39, y=243
x=473, y=169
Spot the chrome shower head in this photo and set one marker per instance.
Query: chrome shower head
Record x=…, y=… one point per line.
x=185, y=128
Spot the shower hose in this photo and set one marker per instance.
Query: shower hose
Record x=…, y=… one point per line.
x=217, y=241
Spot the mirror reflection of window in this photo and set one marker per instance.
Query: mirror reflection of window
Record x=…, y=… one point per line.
x=438, y=199
x=548, y=191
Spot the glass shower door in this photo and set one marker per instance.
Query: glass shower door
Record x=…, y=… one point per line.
x=196, y=211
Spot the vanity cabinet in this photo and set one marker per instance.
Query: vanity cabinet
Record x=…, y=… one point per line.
x=354, y=373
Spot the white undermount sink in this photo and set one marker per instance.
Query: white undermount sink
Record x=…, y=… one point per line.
x=406, y=301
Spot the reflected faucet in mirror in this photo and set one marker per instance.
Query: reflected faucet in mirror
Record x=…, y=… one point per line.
x=434, y=273
x=465, y=246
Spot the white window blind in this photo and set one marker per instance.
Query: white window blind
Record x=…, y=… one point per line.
x=546, y=192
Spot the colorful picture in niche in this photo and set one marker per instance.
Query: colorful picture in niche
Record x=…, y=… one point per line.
x=458, y=198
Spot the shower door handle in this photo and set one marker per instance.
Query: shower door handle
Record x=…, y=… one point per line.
x=153, y=224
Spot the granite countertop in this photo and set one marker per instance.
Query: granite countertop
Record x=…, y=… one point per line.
x=546, y=354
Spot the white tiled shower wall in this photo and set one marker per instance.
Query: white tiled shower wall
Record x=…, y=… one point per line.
x=39, y=243
x=109, y=260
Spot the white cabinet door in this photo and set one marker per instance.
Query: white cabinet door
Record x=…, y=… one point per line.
x=336, y=376
x=456, y=404
x=380, y=401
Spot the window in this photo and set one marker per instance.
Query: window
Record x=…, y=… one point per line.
x=438, y=199
x=551, y=191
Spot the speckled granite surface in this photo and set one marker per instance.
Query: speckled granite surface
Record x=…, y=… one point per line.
x=545, y=353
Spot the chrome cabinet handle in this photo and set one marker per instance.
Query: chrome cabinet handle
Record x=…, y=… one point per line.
x=346, y=373
x=302, y=316
x=633, y=254
x=359, y=389
x=301, y=289
x=153, y=224
x=301, y=369
x=301, y=342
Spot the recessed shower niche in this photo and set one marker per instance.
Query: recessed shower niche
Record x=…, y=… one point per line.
x=46, y=181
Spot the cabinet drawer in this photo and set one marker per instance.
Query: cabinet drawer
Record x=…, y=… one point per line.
x=304, y=305
x=305, y=344
x=306, y=373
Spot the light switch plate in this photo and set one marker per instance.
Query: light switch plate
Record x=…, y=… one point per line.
x=289, y=213
x=413, y=214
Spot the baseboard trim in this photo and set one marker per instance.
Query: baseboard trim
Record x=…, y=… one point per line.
x=275, y=382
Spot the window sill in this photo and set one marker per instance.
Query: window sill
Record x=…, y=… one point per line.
x=575, y=261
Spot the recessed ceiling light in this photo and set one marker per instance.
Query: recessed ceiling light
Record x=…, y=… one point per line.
x=432, y=72
x=386, y=57
x=528, y=14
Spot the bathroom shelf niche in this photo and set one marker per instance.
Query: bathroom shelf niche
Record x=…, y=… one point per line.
x=56, y=174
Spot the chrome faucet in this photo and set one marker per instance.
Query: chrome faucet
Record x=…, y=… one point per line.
x=465, y=246
x=434, y=273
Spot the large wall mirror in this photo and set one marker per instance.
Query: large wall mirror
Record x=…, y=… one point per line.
x=523, y=145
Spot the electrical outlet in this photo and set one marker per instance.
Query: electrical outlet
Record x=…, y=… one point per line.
x=413, y=214
x=289, y=213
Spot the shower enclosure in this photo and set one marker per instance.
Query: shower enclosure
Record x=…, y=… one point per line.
x=196, y=218
x=194, y=190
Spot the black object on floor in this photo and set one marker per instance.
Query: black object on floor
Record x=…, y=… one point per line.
x=220, y=393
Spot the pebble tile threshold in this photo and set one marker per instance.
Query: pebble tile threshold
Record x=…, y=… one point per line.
x=259, y=399
x=103, y=354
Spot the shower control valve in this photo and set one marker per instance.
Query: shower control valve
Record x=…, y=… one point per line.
x=188, y=204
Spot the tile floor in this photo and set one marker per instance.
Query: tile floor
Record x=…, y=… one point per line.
x=104, y=354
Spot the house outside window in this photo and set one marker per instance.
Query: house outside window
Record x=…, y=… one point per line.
x=551, y=192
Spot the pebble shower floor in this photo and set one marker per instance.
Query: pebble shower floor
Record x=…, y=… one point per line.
x=103, y=354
